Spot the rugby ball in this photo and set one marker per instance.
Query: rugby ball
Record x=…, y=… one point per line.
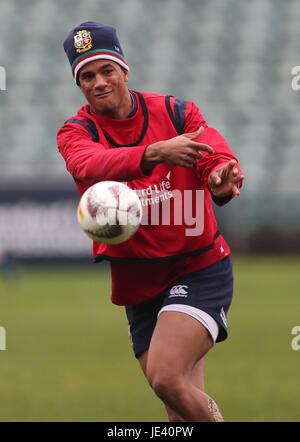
x=109, y=212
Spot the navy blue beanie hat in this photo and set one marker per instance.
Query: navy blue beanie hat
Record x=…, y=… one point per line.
x=92, y=41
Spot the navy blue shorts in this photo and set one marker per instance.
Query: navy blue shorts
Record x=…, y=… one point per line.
x=209, y=290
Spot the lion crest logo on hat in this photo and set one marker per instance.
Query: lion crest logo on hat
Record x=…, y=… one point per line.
x=82, y=41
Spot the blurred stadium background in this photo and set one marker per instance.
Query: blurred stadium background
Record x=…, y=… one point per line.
x=65, y=341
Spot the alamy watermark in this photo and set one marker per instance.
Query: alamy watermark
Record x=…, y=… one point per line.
x=177, y=207
x=2, y=79
x=2, y=338
x=295, y=83
x=161, y=206
x=296, y=340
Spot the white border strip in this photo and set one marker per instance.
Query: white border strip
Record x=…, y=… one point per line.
x=97, y=57
x=209, y=323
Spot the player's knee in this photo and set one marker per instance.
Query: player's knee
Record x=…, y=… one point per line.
x=167, y=387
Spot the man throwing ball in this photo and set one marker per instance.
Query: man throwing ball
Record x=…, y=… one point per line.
x=175, y=282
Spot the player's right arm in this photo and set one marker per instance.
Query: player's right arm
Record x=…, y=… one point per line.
x=178, y=151
x=90, y=162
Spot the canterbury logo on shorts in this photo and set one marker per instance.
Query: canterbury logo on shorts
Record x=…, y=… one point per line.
x=178, y=290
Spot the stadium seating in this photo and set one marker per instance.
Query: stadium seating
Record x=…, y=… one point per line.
x=233, y=58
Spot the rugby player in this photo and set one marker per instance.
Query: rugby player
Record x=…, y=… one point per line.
x=176, y=284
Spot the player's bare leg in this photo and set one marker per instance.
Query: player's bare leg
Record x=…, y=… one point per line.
x=197, y=378
x=172, y=415
x=171, y=367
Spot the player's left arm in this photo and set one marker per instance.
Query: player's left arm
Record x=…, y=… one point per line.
x=220, y=172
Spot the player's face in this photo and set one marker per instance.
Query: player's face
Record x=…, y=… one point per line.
x=103, y=82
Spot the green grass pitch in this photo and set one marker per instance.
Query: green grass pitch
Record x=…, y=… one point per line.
x=68, y=356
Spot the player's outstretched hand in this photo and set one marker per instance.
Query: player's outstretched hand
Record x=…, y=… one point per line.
x=223, y=181
x=178, y=151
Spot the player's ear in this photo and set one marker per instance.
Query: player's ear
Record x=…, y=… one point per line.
x=78, y=79
x=126, y=74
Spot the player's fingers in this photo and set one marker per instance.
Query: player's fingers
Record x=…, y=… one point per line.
x=201, y=146
x=238, y=179
x=215, y=179
x=196, y=134
x=194, y=154
x=235, y=191
x=230, y=165
x=229, y=171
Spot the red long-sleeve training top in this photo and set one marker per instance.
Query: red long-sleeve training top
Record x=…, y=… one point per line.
x=186, y=237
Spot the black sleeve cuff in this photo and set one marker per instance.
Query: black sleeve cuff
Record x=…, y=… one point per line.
x=220, y=201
